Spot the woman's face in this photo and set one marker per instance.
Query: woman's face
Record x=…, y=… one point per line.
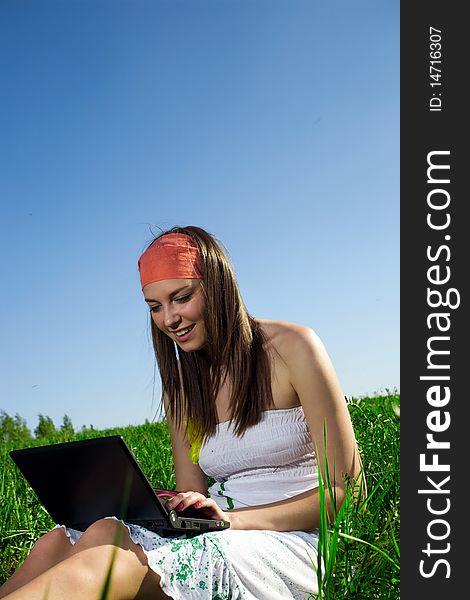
x=177, y=306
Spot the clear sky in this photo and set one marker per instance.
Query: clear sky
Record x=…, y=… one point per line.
x=273, y=124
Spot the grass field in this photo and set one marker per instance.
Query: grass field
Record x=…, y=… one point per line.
x=360, y=550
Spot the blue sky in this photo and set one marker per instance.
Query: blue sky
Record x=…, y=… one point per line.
x=273, y=124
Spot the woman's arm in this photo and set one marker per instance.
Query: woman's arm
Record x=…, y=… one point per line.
x=294, y=514
x=189, y=476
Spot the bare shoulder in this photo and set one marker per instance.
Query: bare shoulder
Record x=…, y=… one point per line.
x=307, y=364
x=292, y=341
x=312, y=376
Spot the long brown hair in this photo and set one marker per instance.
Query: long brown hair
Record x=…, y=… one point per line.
x=235, y=349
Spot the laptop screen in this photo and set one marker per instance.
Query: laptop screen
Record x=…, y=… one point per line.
x=81, y=482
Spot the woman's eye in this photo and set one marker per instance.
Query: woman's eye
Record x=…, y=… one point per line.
x=154, y=309
x=183, y=298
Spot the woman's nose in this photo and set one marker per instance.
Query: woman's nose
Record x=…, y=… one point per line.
x=171, y=318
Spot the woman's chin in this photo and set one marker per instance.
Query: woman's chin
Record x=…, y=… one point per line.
x=196, y=340
x=190, y=346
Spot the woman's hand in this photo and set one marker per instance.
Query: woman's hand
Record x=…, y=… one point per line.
x=198, y=501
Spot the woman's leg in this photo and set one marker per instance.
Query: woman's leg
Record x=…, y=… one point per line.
x=83, y=574
x=49, y=550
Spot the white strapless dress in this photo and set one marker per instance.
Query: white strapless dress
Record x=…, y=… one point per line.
x=273, y=461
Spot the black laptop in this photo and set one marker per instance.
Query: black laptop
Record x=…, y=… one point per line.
x=81, y=482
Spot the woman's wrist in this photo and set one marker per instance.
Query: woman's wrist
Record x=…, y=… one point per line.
x=247, y=519
x=234, y=517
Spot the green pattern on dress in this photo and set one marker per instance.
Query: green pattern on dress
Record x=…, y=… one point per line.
x=213, y=539
x=187, y=565
x=185, y=561
x=222, y=596
x=221, y=492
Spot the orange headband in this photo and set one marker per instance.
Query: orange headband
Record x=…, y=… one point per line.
x=171, y=256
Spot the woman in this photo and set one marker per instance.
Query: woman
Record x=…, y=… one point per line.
x=247, y=402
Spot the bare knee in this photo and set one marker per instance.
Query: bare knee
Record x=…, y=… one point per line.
x=111, y=533
x=54, y=542
x=105, y=547
x=105, y=531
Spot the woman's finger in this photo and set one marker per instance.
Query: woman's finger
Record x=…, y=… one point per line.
x=184, y=499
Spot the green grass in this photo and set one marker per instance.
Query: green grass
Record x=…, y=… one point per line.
x=360, y=550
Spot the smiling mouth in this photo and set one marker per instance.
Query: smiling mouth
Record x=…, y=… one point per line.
x=183, y=332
